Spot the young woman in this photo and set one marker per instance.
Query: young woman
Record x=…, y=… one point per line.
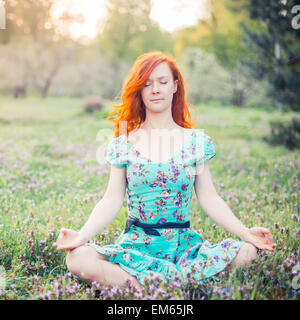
x=157, y=239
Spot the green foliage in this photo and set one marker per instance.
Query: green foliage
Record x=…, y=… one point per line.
x=26, y=19
x=129, y=31
x=274, y=44
x=220, y=34
x=101, y=114
x=285, y=133
x=120, y=220
x=236, y=87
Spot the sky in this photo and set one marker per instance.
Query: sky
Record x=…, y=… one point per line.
x=174, y=14
x=170, y=14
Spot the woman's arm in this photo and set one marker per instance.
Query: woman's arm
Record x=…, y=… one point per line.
x=213, y=205
x=109, y=206
x=216, y=208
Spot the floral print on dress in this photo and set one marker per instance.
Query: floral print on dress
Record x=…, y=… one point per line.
x=159, y=193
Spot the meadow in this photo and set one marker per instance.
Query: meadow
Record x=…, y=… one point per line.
x=50, y=178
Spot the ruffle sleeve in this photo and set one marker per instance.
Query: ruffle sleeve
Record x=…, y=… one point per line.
x=205, y=148
x=116, y=152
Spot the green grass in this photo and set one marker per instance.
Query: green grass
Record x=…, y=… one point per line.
x=49, y=179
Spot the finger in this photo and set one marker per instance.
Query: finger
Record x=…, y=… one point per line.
x=270, y=239
x=63, y=248
x=270, y=248
x=263, y=246
x=272, y=245
x=266, y=231
x=67, y=247
x=268, y=234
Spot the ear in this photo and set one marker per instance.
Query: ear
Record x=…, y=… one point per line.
x=175, y=85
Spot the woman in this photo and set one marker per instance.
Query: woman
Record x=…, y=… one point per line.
x=157, y=239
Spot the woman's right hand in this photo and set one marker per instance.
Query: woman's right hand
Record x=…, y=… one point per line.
x=69, y=239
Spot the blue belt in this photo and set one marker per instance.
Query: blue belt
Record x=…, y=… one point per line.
x=149, y=227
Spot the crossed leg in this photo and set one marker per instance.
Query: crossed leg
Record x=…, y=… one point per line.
x=87, y=264
x=246, y=254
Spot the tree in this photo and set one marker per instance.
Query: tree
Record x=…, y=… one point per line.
x=34, y=44
x=33, y=65
x=129, y=30
x=220, y=34
x=45, y=61
x=26, y=18
x=274, y=42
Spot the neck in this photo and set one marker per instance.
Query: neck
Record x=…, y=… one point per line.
x=159, y=121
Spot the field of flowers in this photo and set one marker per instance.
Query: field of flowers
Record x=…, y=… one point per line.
x=49, y=179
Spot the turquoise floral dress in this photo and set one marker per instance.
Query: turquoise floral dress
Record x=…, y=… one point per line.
x=159, y=193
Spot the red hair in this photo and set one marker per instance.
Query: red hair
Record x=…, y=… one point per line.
x=132, y=111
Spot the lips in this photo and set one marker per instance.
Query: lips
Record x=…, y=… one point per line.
x=157, y=99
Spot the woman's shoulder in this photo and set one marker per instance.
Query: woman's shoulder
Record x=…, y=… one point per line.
x=202, y=135
x=121, y=139
x=116, y=152
x=117, y=145
x=204, y=146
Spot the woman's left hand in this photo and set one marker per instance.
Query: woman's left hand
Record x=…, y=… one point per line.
x=260, y=238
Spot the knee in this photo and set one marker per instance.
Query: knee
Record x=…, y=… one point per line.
x=76, y=260
x=246, y=255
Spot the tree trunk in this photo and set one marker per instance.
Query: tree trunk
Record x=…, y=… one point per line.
x=238, y=97
x=45, y=88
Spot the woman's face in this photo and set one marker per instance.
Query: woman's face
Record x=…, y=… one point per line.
x=159, y=88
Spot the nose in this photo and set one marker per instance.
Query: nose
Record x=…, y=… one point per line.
x=155, y=87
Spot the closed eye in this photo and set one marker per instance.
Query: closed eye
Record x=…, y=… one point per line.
x=147, y=84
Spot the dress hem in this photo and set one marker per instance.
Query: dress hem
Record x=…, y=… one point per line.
x=140, y=277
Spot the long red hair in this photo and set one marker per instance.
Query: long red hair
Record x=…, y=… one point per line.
x=132, y=111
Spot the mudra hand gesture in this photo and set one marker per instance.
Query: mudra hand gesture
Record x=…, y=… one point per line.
x=260, y=238
x=68, y=239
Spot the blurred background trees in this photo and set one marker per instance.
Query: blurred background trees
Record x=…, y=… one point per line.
x=242, y=52
x=129, y=31
x=273, y=34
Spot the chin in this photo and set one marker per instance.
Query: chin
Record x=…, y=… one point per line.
x=157, y=108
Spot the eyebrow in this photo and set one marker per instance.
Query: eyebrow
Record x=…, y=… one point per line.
x=159, y=77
